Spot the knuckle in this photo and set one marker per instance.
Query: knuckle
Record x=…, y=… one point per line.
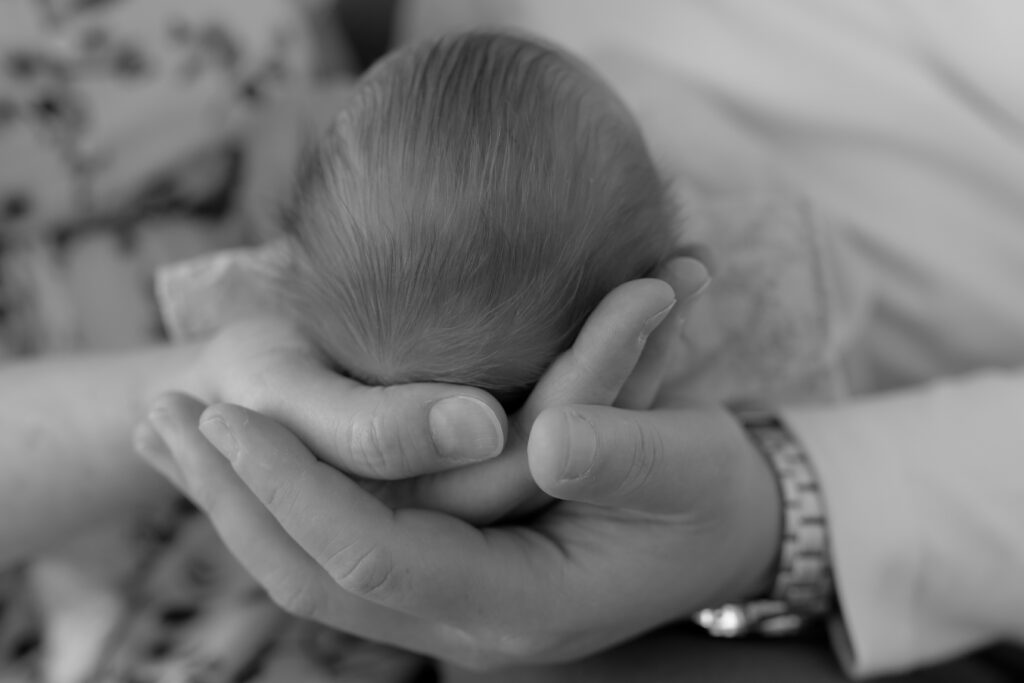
x=380, y=443
x=281, y=497
x=366, y=441
x=363, y=569
x=646, y=448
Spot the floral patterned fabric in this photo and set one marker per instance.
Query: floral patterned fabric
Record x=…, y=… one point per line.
x=123, y=146
x=120, y=127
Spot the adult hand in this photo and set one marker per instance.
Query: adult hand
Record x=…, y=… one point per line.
x=411, y=444
x=395, y=432
x=620, y=357
x=665, y=511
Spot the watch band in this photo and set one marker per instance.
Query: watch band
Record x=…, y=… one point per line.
x=803, y=589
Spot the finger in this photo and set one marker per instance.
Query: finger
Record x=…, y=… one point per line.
x=607, y=348
x=415, y=561
x=291, y=577
x=383, y=432
x=688, y=278
x=592, y=371
x=698, y=252
x=655, y=461
x=147, y=443
x=215, y=488
x=478, y=495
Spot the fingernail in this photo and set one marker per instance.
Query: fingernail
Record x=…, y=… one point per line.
x=216, y=431
x=147, y=443
x=465, y=429
x=580, y=447
x=652, y=323
x=691, y=276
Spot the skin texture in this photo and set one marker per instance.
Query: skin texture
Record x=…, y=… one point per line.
x=605, y=370
x=675, y=511
x=380, y=432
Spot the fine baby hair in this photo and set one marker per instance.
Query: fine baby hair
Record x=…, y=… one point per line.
x=466, y=211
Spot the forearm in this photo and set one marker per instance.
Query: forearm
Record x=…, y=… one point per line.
x=66, y=460
x=924, y=491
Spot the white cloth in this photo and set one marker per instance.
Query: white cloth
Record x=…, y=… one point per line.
x=924, y=492
x=906, y=117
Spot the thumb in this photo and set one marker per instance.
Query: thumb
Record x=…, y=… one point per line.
x=664, y=461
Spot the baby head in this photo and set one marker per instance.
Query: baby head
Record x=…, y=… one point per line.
x=465, y=213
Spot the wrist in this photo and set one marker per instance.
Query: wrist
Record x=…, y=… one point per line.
x=759, y=521
x=799, y=588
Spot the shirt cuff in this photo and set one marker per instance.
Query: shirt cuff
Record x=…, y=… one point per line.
x=923, y=494
x=876, y=560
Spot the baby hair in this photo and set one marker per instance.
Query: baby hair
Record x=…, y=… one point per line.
x=467, y=210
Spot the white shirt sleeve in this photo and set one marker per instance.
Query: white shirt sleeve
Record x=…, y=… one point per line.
x=924, y=492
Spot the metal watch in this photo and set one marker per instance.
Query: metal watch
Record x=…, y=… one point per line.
x=803, y=590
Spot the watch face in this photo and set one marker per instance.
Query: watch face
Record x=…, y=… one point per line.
x=760, y=617
x=727, y=621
